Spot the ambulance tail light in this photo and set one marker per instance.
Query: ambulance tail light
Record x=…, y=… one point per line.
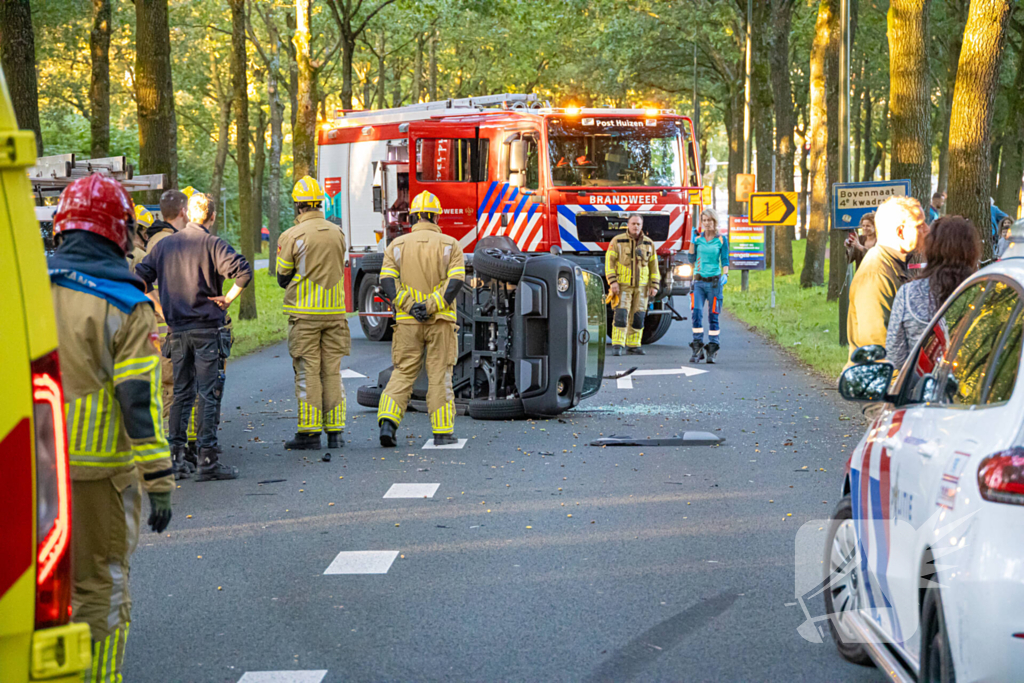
x=1001, y=477
x=53, y=496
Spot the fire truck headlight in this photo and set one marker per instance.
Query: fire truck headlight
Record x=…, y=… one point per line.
x=563, y=284
x=682, y=272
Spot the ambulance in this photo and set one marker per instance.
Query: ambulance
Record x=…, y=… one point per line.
x=559, y=180
x=37, y=640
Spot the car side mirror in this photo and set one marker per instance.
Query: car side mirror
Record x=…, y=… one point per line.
x=867, y=382
x=517, y=156
x=868, y=354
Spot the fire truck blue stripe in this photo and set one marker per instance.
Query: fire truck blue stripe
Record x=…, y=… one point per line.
x=490, y=214
x=569, y=239
x=565, y=211
x=522, y=203
x=615, y=207
x=529, y=214
x=487, y=198
x=512, y=197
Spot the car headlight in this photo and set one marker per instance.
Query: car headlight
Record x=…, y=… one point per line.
x=682, y=272
x=563, y=284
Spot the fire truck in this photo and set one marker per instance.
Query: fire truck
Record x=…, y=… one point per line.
x=543, y=179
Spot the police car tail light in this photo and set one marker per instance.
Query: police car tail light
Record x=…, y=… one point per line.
x=1001, y=477
x=53, y=496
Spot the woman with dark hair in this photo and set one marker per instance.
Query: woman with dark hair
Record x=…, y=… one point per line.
x=952, y=253
x=860, y=240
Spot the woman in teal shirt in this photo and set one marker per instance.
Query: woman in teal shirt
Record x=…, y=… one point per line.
x=710, y=273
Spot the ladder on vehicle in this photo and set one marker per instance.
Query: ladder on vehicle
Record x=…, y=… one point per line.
x=52, y=174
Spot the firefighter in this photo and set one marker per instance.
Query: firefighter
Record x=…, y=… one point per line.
x=111, y=372
x=631, y=267
x=311, y=269
x=143, y=220
x=422, y=274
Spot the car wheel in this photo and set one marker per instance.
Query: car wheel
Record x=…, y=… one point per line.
x=656, y=328
x=936, y=655
x=375, y=327
x=372, y=262
x=502, y=265
x=369, y=395
x=843, y=576
x=498, y=409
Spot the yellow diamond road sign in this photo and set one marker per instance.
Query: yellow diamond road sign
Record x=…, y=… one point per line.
x=773, y=208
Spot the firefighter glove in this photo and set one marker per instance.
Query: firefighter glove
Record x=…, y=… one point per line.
x=420, y=312
x=159, y=511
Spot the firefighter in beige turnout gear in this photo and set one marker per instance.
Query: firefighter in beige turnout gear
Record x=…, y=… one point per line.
x=631, y=268
x=117, y=447
x=422, y=274
x=311, y=268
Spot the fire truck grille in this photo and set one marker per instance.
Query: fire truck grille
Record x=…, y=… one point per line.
x=595, y=227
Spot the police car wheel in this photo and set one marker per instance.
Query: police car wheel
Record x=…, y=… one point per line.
x=369, y=395
x=843, y=574
x=504, y=266
x=936, y=655
x=498, y=409
x=375, y=328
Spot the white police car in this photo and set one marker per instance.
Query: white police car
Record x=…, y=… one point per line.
x=924, y=561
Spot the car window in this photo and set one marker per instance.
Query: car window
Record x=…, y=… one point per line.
x=445, y=160
x=532, y=175
x=1004, y=372
x=974, y=354
x=929, y=365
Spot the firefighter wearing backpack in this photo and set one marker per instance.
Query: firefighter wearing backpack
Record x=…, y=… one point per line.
x=111, y=372
x=311, y=269
x=631, y=268
x=422, y=274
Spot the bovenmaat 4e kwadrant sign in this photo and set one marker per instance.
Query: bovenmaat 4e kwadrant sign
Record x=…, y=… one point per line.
x=853, y=201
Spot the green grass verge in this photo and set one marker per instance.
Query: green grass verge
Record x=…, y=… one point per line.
x=270, y=326
x=803, y=322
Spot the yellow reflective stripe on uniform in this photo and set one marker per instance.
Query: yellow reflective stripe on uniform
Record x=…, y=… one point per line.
x=93, y=422
x=443, y=309
x=135, y=366
x=457, y=271
x=311, y=418
x=624, y=274
x=311, y=298
x=334, y=419
x=618, y=336
x=389, y=409
x=284, y=265
x=148, y=452
x=442, y=420
x=438, y=300
x=388, y=272
x=633, y=340
x=609, y=262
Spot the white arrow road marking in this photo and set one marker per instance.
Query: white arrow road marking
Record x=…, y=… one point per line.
x=429, y=445
x=351, y=374
x=627, y=381
x=362, y=562
x=283, y=676
x=412, y=491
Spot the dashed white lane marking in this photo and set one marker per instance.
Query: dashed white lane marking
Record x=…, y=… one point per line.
x=412, y=491
x=455, y=446
x=627, y=381
x=283, y=676
x=362, y=562
x=350, y=374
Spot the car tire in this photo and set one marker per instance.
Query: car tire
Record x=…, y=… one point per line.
x=656, y=328
x=936, y=655
x=840, y=549
x=376, y=329
x=369, y=395
x=372, y=263
x=500, y=264
x=498, y=409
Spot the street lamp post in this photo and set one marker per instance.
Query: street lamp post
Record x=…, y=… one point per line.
x=844, y=148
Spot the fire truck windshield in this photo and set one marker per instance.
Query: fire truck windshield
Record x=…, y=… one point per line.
x=615, y=151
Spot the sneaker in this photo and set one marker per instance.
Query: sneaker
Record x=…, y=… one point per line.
x=304, y=441
x=444, y=439
x=387, y=433
x=211, y=468
x=334, y=440
x=636, y=351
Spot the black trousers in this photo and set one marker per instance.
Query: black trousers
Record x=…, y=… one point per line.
x=196, y=355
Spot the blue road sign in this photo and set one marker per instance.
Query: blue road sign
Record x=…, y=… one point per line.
x=852, y=201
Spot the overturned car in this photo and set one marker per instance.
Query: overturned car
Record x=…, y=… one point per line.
x=531, y=336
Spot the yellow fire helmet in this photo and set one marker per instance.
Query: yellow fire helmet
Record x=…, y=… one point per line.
x=143, y=217
x=307, y=190
x=189, y=191
x=425, y=202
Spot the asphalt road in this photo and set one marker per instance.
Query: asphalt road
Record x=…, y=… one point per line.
x=538, y=558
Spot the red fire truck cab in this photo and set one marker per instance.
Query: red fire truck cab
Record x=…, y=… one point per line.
x=546, y=179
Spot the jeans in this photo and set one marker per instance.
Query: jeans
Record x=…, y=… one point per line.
x=196, y=355
x=710, y=292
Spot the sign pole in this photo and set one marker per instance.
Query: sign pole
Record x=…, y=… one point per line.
x=844, y=148
x=773, y=234
x=745, y=275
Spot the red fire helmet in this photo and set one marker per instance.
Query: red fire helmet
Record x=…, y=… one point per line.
x=98, y=205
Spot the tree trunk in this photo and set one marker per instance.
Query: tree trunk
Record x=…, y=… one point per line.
x=1012, y=166
x=785, y=123
x=239, y=84
x=396, y=86
x=223, y=136
x=836, y=251
x=909, y=105
x=293, y=73
x=855, y=98
x=805, y=181
x=259, y=164
x=433, y=65
x=869, y=152
x=276, y=143
x=99, y=85
x=813, y=274
x=304, y=133
x=381, y=80
x=154, y=93
x=18, y=59
x=970, y=125
x=957, y=10
x=734, y=113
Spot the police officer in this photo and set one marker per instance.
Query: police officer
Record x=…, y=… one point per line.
x=311, y=268
x=631, y=267
x=111, y=374
x=422, y=274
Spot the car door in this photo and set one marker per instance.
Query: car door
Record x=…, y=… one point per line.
x=447, y=161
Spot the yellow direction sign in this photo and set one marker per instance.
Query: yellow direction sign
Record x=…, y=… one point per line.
x=745, y=183
x=773, y=208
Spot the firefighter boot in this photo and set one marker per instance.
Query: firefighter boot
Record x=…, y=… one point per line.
x=712, y=351
x=698, y=349
x=616, y=350
x=444, y=439
x=387, y=433
x=636, y=351
x=334, y=440
x=303, y=441
x=183, y=469
x=192, y=456
x=211, y=468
